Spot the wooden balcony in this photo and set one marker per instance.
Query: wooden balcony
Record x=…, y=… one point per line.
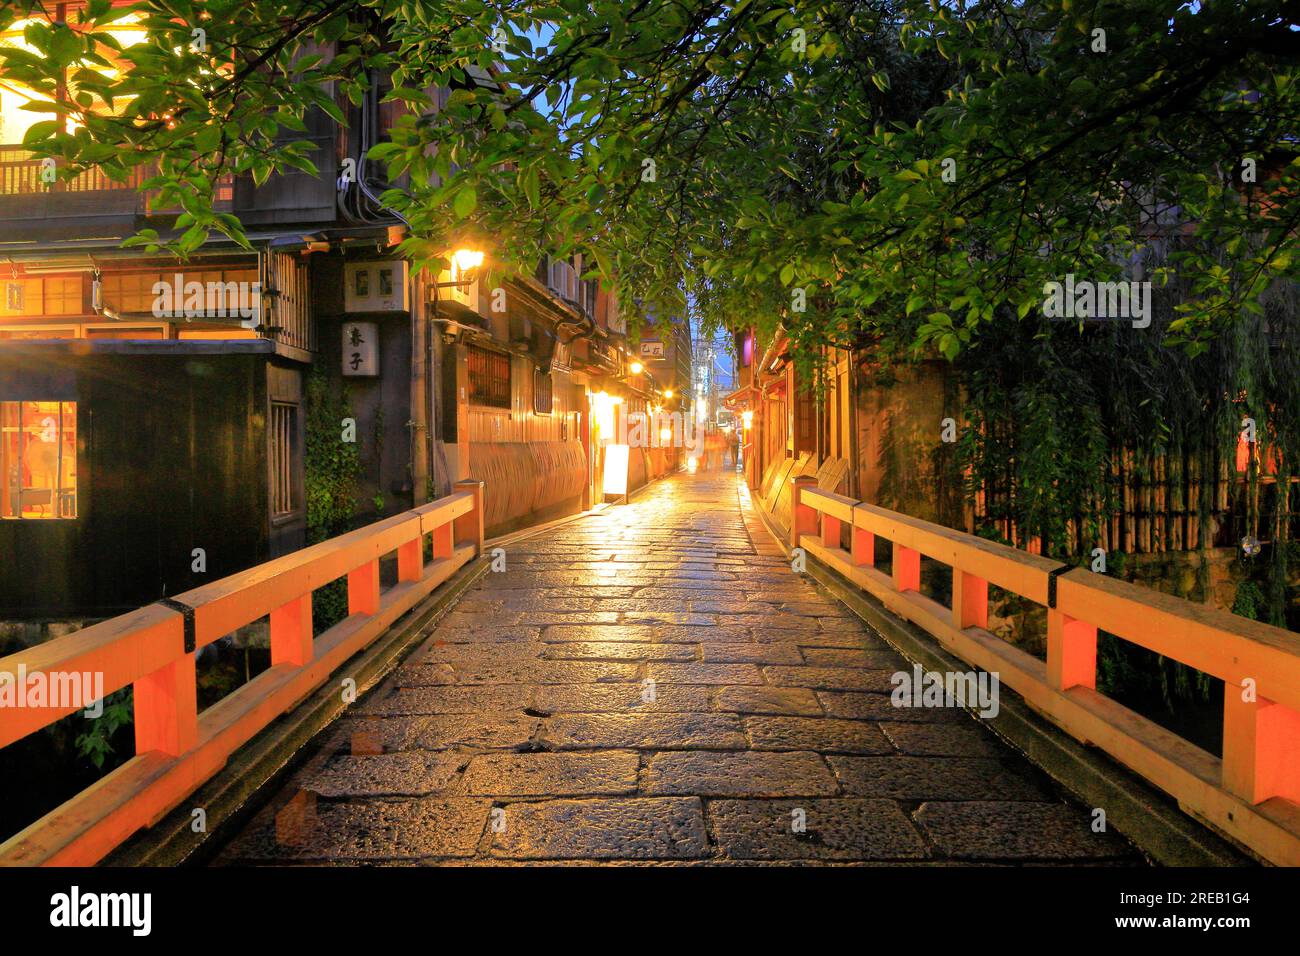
x=24, y=193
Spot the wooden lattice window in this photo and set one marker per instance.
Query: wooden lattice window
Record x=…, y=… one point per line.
x=283, y=426
x=489, y=377
x=543, y=393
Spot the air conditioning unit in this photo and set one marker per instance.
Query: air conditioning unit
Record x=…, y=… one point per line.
x=379, y=286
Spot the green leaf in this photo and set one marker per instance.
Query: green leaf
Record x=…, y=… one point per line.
x=466, y=202
x=40, y=130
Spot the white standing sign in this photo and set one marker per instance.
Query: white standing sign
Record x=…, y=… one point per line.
x=360, y=349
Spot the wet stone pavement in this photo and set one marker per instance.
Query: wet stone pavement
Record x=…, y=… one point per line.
x=653, y=683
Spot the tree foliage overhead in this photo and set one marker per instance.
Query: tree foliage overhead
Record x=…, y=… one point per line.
x=912, y=171
x=733, y=152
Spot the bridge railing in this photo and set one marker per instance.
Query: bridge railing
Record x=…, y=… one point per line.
x=1251, y=793
x=153, y=650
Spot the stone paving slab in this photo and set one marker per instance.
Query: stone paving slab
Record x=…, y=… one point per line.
x=769, y=700
x=655, y=828
x=823, y=829
x=1000, y=829
x=901, y=777
x=758, y=653
x=552, y=774
x=476, y=731
x=371, y=830
x=652, y=684
x=387, y=775
x=872, y=706
x=823, y=734
x=621, y=698
x=742, y=774
x=644, y=731
x=618, y=650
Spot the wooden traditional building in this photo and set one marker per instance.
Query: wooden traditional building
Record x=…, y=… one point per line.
x=153, y=413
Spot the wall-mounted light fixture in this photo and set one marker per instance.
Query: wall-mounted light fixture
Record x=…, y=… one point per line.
x=465, y=264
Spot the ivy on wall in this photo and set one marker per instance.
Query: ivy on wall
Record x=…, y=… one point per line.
x=332, y=472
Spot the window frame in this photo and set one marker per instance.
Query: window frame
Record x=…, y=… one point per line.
x=281, y=462
x=60, y=494
x=485, y=386
x=539, y=377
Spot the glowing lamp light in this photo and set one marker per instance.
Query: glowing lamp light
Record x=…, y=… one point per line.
x=668, y=393
x=603, y=413
x=691, y=464
x=747, y=416
x=636, y=368
x=467, y=260
x=665, y=434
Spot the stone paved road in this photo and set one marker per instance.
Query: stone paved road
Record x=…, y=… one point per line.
x=653, y=683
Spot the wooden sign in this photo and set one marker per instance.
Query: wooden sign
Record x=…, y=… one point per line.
x=361, y=349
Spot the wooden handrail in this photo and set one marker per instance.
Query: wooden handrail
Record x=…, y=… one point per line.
x=154, y=648
x=1252, y=794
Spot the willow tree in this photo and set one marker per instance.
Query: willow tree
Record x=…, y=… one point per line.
x=905, y=173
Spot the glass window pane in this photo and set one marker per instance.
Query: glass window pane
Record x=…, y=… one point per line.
x=38, y=459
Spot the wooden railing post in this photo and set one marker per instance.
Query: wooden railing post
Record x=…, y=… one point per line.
x=1261, y=747
x=970, y=600
x=410, y=559
x=291, y=632
x=1071, y=652
x=864, y=548
x=443, y=545
x=469, y=527
x=830, y=531
x=803, y=519
x=363, y=589
x=167, y=709
x=907, y=568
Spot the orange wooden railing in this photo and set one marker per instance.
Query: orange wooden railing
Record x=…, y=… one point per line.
x=153, y=649
x=1252, y=793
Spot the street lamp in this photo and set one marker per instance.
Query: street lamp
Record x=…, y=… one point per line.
x=636, y=368
x=747, y=416
x=465, y=263
x=467, y=260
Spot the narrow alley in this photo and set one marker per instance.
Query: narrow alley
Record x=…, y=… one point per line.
x=654, y=683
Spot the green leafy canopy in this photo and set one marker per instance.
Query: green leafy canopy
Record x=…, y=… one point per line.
x=920, y=169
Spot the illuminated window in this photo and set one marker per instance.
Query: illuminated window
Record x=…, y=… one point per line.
x=133, y=292
x=38, y=459
x=36, y=296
